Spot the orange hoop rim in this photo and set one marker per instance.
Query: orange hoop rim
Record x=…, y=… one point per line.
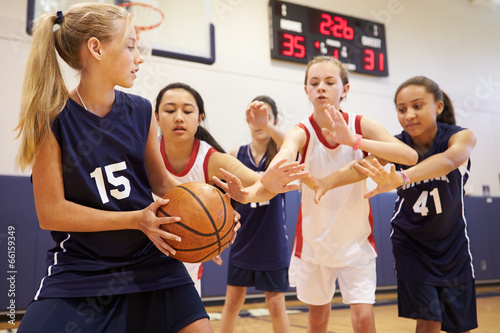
x=145, y=27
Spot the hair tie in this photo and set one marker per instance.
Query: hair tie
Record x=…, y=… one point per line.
x=59, y=18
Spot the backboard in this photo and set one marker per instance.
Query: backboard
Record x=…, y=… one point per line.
x=186, y=33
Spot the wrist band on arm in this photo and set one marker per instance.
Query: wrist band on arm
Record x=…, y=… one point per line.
x=358, y=140
x=405, y=177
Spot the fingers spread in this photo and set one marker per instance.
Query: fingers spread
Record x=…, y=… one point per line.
x=220, y=183
x=290, y=187
x=363, y=170
x=280, y=162
x=298, y=175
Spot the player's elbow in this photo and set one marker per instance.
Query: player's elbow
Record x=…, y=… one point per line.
x=411, y=158
x=44, y=222
x=407, y=156
x=47, y=218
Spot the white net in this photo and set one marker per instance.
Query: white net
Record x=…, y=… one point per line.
x=52, y=6
x=147, y=21
x=147, y=18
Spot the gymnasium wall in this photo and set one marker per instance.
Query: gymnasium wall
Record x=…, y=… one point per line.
x=455, y=42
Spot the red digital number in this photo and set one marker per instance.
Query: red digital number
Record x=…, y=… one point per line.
x=337, y=27
x=341, y=30
x=381, y=62
x=370, y=60
x=292, y=46
x=325, y=25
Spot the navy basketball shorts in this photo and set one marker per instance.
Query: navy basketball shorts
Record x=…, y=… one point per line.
x=454, y=306
x=167, y=310
x=275, y=281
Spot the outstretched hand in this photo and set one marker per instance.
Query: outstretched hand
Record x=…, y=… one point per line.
x=340, y=132
x=386, y=180
x=257, y=115
x=232, y=186
x=275, y=180
x=277, y=177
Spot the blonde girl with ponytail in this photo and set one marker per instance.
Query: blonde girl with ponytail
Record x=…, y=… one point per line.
x=95, y=163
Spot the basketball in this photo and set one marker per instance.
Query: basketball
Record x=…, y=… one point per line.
x=206, y=225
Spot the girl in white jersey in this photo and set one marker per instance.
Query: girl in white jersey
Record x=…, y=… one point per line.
x=333, y=239
x=189, y=151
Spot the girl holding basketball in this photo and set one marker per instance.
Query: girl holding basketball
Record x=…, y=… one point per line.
x=334, y=237
x=189, y=151
x=429, y=231
x=259, y=257
x=95, y=162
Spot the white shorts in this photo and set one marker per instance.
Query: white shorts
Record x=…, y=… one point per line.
x=195, y=271
x=316, y=283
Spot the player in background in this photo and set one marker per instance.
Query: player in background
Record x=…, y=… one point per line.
x=259, y=257
x=429, y=230
x=334, y=237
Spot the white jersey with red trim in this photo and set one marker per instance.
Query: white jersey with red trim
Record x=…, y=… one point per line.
x=336, y=232
x=195, y=171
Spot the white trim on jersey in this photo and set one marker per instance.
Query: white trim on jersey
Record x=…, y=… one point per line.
x=49, y=269
x=464, y=170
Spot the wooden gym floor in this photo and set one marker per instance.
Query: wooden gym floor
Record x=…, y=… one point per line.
x=254, y=318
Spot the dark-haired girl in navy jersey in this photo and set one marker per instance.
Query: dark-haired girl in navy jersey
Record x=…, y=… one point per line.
x=259, y=258
x=429, y=230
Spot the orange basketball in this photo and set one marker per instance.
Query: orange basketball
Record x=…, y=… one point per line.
x=206, y=225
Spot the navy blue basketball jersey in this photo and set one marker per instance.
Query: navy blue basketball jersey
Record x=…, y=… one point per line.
x=103, y=167
x=429, y=229
x=261, y=243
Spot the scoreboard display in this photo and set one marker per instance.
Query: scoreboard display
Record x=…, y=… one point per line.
x=300, y=33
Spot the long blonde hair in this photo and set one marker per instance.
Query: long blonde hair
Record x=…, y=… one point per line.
x=44, y=93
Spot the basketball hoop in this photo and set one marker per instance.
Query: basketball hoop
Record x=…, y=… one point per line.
x=147, y=20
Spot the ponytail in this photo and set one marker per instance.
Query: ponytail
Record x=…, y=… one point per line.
x=203, y=134
x=448, y=114
x=43, y=94
x=272, y=150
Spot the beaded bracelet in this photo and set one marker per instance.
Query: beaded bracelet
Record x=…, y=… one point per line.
x=405, y=177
